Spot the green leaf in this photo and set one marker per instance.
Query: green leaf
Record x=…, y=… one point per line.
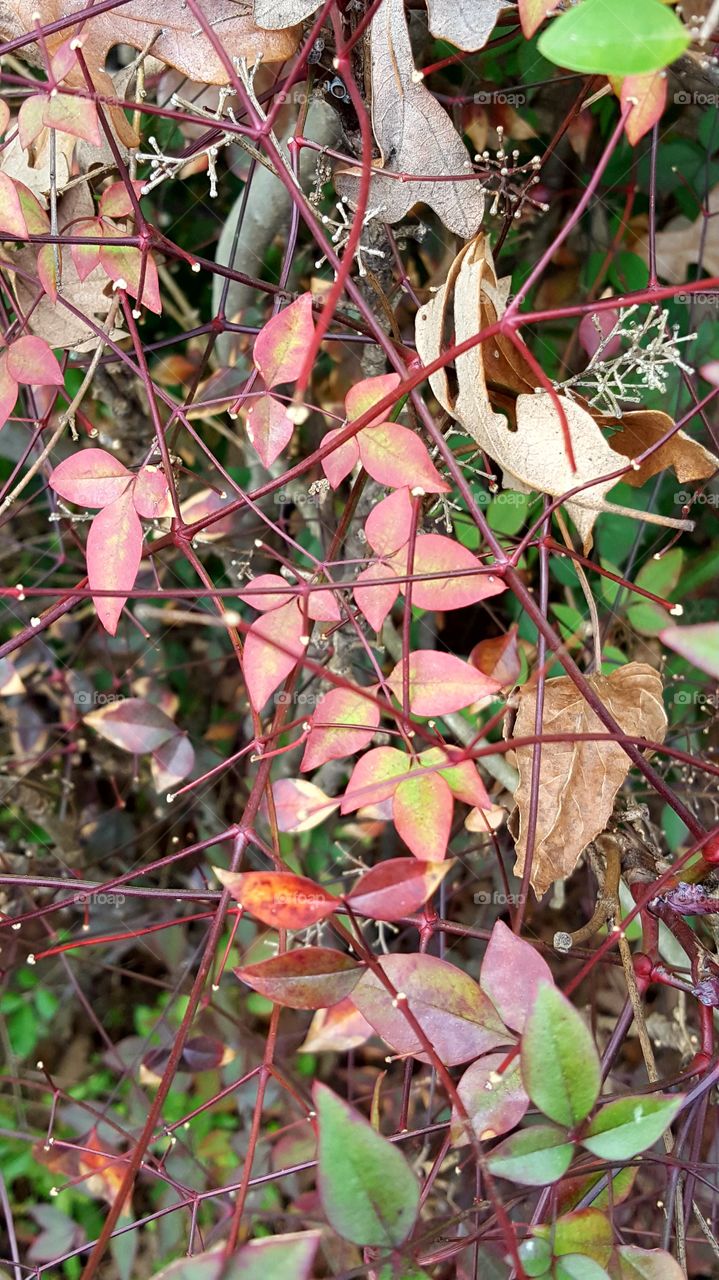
x=575, y=1266
x=536, y=1257
x=624, y=1128
x=368, y=1191
x=560, y=1066
x=534, y=1157
x=699, y=645
x=647, y=1264
x=586, y=1231
x=287, y=1257
x=613, y=38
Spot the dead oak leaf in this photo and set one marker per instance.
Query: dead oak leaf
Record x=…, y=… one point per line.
x=467, y=24
x=641, y=429
x=414, y=134
x=180, y=40
x=578, y=781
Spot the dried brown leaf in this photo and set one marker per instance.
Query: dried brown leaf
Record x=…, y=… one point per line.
x=414, y=134
x=180, y=42
x=641, y=429
x=276, y=15
x=578, y=781
x=467, y=24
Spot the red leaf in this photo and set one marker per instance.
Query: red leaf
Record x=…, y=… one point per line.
x=449, y=588
x=8, y=391
x=133, y=724
x=12, y=221
x=259, y=595
x=440, y=683
x=394, y=455
x=462, y=778
x=422, y=811
x=389, y=524
x=494, y=1101
x=300, y=805
x=86, y=257
x=499, y=657
x=276, y=898
x=311, y=978
x=30, y=360
x=273, y=647
x=340, y=462
x=151, y=494
x=511, y=973
x=396, y=888
x=77, y=116
x=90, y=478
x=375, y=602
x=532, y=14
x=334, y=731
x=281, y=346
x=363, y=395
x=63, y=60
x=114, y=552
x=115, y=201
x=374, y=778
x=456, y=1016
x=322, y=607
x=268, y=428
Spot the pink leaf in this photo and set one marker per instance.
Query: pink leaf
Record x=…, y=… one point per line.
x=8, y=391
x=151, y=494
x=76, y=116
x=440, y=683
x=394, y=455
x=344, y=722
x=323, y=607
x=133, y=724
x=281, y=346
x=260, y=594
x=125, y=263
x=47, y=269
x=461, y=777
x=300, y=805
x=396, y=888
x=273, y=647
x=494, y=1099
x=172, y=762
x=36, y=219
x=374, y=778
x=114, y=552
x=370, y=391
x=86, y=257
x=115, y=200
x=90, y=478
x=389, y=525
x=63, y=60
x=4, y=116
x=456, y=581
x=30, y=360
x=422, y=811
x=30, y=119
x=375, y=602
x=499, y=657
x=340, y=462
x=268, y=428
x=511, y=973
x=647, y=95
x=12, y=221
x=336, y=1030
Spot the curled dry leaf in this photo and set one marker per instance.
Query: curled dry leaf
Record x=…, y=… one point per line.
x=180, y=41
x=641, y=429
x=579, y=779
x=534, y=455
x=467, y=24
x=409, y=123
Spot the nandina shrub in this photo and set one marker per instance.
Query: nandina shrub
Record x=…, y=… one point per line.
x=357, y=395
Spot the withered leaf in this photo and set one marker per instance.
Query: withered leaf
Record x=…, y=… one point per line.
x=579, y=780
x=682, y=243
x=641, y=429
x=180, y=41
x=467, y=24
x=276, y=15
x=414, y=134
